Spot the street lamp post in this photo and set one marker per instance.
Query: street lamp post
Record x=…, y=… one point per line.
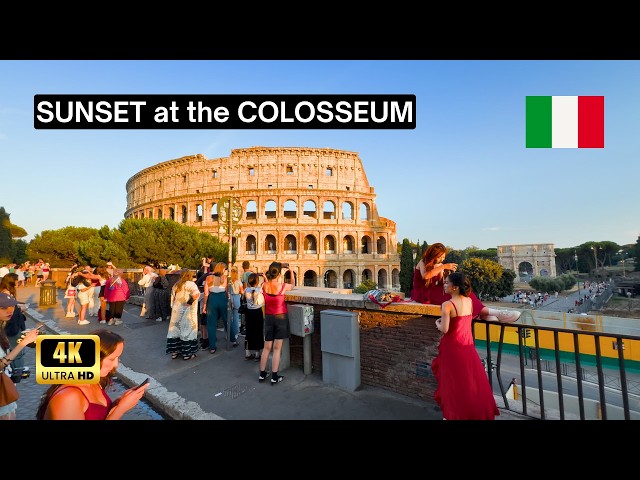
x=575, y=256
x=595, y=257
x=623, y=270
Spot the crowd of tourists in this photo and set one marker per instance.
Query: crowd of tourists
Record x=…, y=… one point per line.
x=27, y=273
x=194, y=304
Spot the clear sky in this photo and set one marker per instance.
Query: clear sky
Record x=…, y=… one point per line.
x=463, y=177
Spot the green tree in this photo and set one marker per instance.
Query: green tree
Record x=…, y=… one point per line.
x=483, y=275
x=406, y=267
x=565, y=259
x=420, y=252
x=98, y=251
x=365, y=286
x=21, y=252
x=504, y=286
x=489, y=254
x=549, y=284
x=60, y=248
x=7, y=245
x=155, y=241
x=455, y=256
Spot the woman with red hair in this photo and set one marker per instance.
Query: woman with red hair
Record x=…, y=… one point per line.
x=428, y=286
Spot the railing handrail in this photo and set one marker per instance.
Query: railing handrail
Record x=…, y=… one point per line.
x=543, y=391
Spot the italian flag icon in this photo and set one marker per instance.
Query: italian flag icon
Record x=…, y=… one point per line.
x=565, y=122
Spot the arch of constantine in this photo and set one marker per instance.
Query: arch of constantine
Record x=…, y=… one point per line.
x=530, y=260
x=310, y=207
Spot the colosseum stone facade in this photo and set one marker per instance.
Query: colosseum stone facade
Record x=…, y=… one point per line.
x=310, y=207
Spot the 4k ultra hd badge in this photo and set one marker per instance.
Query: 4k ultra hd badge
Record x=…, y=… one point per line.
x=68, y=359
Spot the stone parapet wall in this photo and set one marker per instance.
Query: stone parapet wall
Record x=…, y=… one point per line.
x=397, y=343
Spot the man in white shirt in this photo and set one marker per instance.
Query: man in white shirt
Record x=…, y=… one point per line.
x=4, y=269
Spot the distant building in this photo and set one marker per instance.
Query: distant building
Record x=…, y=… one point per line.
x=310, y=207
x=528, y=260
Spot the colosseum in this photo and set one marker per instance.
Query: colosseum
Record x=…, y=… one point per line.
x=310, y=207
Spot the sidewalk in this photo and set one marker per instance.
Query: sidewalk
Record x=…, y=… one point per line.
x=223, y=386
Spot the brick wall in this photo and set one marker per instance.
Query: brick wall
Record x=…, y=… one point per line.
x=396, y=349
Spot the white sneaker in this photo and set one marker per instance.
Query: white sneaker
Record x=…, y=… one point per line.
x=508, y=316
x=111, y=322
x=70, y=315
x=83, y=322
x=117, y=322
x=159, y=319
x=103, y=321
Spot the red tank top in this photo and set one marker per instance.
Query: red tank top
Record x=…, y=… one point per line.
x=95, y=411
x=274, y=304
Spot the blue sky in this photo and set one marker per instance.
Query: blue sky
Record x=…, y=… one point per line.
x=462, y=177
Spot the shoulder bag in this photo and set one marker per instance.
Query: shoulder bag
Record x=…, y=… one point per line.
x=243, y=305
x=8, y=391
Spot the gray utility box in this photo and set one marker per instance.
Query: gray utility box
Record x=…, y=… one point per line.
x=300, y=319
x=340, y=345
x=301, y=325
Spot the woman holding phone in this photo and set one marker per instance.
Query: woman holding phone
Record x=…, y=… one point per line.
x=8, y=355
x=276, y=319
x=91, y=401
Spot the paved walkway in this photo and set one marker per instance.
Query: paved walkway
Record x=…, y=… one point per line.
x=215, y=387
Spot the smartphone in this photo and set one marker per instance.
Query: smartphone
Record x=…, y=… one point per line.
x=147, y=380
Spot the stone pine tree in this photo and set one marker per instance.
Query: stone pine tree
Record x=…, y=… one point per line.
x=406, y=268
x=7, y=245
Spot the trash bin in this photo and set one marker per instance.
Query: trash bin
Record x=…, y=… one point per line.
x=48, y=293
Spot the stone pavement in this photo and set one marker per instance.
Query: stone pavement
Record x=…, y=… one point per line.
x=214, y=387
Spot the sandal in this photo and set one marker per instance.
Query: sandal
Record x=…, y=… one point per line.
x=175, y=355
x=212, y=351
x=189, y=357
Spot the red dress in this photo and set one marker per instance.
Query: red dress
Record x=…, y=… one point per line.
x=463, y=391
x=95, y=411
x=434, y=293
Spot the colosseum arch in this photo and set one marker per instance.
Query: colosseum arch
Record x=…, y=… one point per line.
x=347, y=211
x=304, y=193
x=310, y=244
x=528, y=260
x=251, y=210
x=310, y=279
x=329, y=210
x=349, y=278
x=309, y=209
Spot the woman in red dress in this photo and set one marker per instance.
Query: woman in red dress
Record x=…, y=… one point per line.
x=428, y=283
x=463, y=391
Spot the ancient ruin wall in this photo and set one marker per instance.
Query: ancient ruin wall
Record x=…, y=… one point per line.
x=310, y=207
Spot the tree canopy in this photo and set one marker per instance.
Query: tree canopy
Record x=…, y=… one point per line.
x=155, y=242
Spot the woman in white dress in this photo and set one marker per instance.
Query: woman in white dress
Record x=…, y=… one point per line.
x=182, y=337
